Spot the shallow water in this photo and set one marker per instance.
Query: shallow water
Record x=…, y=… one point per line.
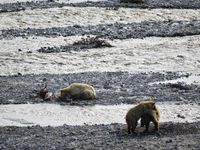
x=57, y=115
x=69, y=16
x=193, y=79
x=133, y=55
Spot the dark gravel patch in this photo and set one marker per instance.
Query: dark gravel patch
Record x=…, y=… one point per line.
x=114, y=136
x=113, y=31
x=112, y=87
x=82, y=45
x=111, y=4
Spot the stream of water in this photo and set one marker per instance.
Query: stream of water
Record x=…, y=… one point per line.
x=57, y=115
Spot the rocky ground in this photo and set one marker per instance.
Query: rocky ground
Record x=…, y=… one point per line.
x=114, y=136
x=112, y=87
x=114, y=31
x=111, y=4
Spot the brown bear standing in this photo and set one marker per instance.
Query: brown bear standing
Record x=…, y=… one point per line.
x=152, y=115
x=135, y=113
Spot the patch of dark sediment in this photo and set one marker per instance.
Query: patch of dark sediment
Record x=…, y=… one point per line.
x=83, y=44
x=100, y=137
x=113, y=31
x=112, y=87
x=111, y=4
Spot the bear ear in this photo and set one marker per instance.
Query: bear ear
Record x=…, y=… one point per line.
x=153, y=105
x=153, y=101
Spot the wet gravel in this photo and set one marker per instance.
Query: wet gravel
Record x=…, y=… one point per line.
x=113, y=31
x=112, y=87
x=114, y=136
x=111, y=4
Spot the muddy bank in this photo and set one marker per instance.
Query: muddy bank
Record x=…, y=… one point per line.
x=111, y=4
x=114, y=136
x=113, y=31
x=112, y=87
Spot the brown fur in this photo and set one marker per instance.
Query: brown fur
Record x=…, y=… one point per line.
x=79, y=91
x=135, y=113
x=152, y=115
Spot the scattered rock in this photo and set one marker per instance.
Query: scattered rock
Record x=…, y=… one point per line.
x=179, y=85
x=112, y=31
x=29, y=52
x=83, y=44
x=96, y=42
x=19, y=74
x=169, y=141
x=180, y=56
x=181, y=116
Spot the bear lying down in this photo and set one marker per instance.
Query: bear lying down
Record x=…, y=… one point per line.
x=78, y=91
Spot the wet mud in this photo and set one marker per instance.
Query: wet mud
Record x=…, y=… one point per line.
x=113, y=31
x=110, y=4
x=111, y=87
x=114, y=136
